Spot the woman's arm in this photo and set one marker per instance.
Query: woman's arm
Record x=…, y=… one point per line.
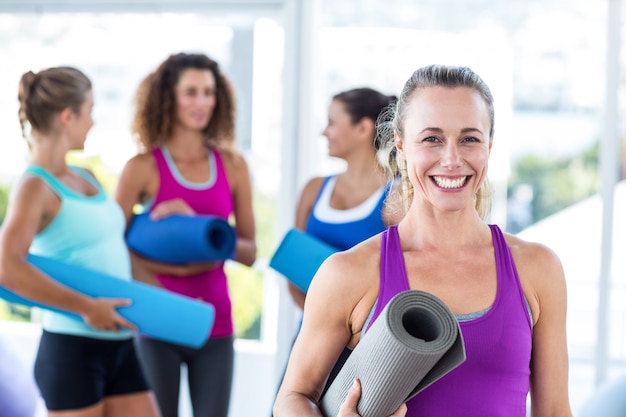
x=543, y=279
x=241, y=188
x=137, y=183
x=324, y=333
x=338, y=302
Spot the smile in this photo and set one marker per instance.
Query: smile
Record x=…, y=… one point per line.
x=450, y=183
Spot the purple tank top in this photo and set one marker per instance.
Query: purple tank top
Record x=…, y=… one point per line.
x=211, y=198
x=494, y=380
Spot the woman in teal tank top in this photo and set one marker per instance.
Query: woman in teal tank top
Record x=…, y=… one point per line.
x=83, y=367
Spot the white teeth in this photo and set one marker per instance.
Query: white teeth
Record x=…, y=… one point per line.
x=449, y=183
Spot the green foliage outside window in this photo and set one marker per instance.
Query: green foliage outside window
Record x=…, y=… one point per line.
x=246, y=284
x=558, y=183
x=4, y=200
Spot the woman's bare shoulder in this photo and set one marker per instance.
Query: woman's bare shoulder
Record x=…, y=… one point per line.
x=346, y=285
x=141, y=165
x=525, y=251
x=141, y=160
x=30, y=189
x=540, y=271
x=353, y=272
x=311, y=188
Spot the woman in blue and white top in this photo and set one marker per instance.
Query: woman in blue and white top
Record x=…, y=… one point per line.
x=346, y=208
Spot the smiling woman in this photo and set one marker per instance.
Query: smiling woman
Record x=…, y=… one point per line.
x=439, y=142
x=549, y=106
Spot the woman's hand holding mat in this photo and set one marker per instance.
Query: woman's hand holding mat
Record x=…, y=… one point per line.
x=349, y=406
x=415, y=341
x=181, y=238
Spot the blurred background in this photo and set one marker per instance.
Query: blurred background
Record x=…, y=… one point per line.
x=555, y=68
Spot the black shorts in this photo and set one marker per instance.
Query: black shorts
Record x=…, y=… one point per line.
x=74, y=372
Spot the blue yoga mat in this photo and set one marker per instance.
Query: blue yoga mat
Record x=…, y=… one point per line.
x=156, y=312
x=298, y=257
x=181, y=238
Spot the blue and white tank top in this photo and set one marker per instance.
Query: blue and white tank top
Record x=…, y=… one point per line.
x=343, y=229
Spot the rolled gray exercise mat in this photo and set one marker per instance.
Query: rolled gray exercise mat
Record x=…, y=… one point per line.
x=415, y=341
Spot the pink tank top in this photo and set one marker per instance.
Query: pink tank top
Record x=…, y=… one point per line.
x=494, y=380
x=211, y=198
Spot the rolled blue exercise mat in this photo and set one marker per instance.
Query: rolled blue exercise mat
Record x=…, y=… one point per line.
x=156, y=312
x=298, y=257
x=181, y=238
x=415, y=341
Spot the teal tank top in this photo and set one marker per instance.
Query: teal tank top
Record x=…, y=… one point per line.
x=88, y=231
